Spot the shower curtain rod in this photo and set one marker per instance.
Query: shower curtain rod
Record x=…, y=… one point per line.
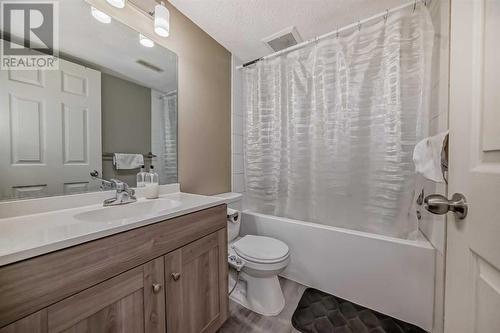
x=335, y=32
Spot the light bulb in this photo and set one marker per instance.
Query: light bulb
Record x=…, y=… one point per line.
x=162, y=20
x=145, y=41
x=100, y=16
x=117, y=3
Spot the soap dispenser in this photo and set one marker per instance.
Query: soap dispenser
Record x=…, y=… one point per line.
x=141, y=177
x=152, y=190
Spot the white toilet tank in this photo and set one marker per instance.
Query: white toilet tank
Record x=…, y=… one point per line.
x=234, y=201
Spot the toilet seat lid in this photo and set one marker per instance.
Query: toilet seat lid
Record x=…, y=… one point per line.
x=261, y=249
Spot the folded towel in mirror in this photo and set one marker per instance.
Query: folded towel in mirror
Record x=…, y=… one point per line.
x=127, y=161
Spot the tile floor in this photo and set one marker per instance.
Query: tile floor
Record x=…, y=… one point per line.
x=242, y=320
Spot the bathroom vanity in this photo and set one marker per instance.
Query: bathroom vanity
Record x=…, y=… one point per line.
x=68, y=264
x=165, y=276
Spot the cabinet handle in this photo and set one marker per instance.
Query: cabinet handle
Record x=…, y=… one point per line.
x=176, y=276
x=156, y=288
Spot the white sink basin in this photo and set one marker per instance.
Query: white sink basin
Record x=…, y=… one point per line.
x=138, y=209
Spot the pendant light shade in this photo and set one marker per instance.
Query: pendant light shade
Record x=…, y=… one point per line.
x=117, y=3
x=162, y=20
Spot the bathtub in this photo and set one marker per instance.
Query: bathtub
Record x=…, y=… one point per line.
x=390, y=275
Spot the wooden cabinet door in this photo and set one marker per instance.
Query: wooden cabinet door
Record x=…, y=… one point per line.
x=196, y=285
x=131, y=302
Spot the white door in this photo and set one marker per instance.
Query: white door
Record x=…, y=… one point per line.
x=472, y=301
x=50, y=130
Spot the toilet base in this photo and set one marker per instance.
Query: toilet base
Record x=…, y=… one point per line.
x=262, y=295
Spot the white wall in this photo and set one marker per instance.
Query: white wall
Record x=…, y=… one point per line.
x=237, y=127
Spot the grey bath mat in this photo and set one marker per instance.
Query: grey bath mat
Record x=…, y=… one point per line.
x=319, y=312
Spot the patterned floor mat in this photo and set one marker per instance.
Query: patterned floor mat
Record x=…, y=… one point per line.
x=319, y=312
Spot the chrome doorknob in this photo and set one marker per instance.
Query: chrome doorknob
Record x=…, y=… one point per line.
x=440, y=205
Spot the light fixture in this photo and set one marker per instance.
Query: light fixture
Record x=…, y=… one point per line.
x=100, y=16
x=162, y=20
x=117, y=3
x=145, y=41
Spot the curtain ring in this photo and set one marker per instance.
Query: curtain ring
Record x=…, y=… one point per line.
x=414, y=6
x=359, y=25
x=337, y=34
x=386, y=16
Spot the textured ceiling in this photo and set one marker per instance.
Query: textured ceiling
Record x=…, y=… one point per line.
x=240, y=25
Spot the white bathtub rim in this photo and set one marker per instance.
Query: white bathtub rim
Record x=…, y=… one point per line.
x=420, y=242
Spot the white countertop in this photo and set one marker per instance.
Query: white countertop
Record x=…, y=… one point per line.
x=27, y=236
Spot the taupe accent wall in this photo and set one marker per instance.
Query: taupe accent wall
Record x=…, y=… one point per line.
x=126, y=123
x=204, y=98
x=126, y=116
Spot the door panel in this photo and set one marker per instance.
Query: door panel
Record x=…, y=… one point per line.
x=33, y=77
x=124, y=316
x=200, y=287
x=75, y=141
x=50, y=129
x=69, y=312
x=129, y=302
x=473, y=247
x=486, y=290
x=154, y=296
x=27, y=130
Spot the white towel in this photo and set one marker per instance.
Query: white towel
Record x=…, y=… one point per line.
x=127, y=161
x=427, y=157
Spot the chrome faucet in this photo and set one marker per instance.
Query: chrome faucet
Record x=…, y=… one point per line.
x=124, y=195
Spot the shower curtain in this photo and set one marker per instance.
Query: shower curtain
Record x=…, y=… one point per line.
x=330, y=128
x=170, y=138
x=164, y=135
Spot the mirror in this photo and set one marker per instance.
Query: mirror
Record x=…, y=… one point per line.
x=110, y=95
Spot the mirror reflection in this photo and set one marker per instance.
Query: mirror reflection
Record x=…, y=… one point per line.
x=110, y=107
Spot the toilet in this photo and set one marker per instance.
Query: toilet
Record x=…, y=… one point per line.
x=259, y=259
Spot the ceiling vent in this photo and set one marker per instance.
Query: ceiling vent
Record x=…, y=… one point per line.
x=283, y=39
x=150, y=66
